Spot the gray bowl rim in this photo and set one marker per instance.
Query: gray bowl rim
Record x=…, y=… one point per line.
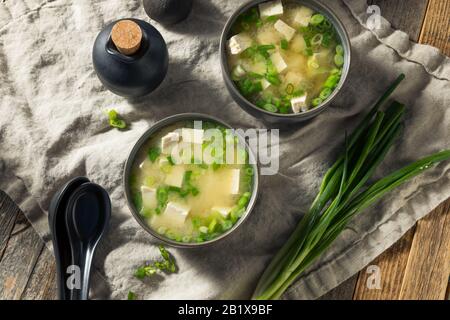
x=156, y=127
x=320, y=8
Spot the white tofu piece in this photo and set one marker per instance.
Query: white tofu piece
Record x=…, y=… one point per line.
x=176, y=213
x=224, y=211
x=299, y=104
x=265, y=84
x=149, y=197
x=169, y=141
x=270, y=8
x=175, y=177
x=286, y=30
x=303, y=16
x=189, y=135
x=238, y=43
x=278, y=62
x=235, y=177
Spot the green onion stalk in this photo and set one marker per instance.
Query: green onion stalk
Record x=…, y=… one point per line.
x=343, y=193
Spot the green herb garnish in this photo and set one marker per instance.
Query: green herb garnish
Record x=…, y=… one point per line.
x=167, y=264
x=115, y=121
x=170, y=159
x=153, y=153
x=131, y=295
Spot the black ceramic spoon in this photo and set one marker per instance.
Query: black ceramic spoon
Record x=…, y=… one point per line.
x=87, y=217
x=57, y=223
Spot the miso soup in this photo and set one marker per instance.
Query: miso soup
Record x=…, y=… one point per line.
x=284, y=57
x=192, y=181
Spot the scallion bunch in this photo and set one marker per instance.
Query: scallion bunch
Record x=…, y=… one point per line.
x=343, y=194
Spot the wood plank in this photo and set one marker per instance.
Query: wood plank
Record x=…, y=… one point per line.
x=392, y=265
x=428, y=267
x=19, y=258
x=436, y=26
x=8, y=216
x=412, y=282
x=404, y=15
x=42, y=283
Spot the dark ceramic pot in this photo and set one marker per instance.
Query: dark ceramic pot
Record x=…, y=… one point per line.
x=134, y=75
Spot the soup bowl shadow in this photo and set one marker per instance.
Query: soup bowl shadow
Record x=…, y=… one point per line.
x=272, y=117
x=154, y=129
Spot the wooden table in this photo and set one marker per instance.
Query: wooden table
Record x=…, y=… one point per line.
x=416, y=267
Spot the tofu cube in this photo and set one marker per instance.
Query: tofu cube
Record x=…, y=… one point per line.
x=169, y=141
x=149, y=197
x=286, y=30
x=270, y=8
x=303, y=16
x=235, y=177
x=175, y=214
x=238, y=43
x=224, y=211
x=299, y=104
x=189, y=135
x=175, y=177
x=278, y=62
x=265, y=84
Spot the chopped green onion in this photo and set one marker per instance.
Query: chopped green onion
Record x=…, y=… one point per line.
x=212, y=225
x=153, y=153
x=131, y=295
x=115, y=121
x=316, y=19
x=162, y=230
x=171, y=162
x=308, y=52
x=270, y=107
x=284, y=44
x=162, y=196
x=226, y=224
x=339, y=60
x=316, y=101
x=167, y=264
x=203, y=229
x=272, y=18
x=243, y=200
x=290, y=88
x=137, y=201
x=317, y=39
x=273, y=79
x=332, y=81
x=340, y=50
x=325, y=93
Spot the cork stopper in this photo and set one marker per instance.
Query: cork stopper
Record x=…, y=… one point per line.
x=126, y=36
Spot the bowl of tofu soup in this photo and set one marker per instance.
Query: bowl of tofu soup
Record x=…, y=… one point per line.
x=284, y=60
x=190, y=180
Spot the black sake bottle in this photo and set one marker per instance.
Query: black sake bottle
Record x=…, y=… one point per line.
x=130, y=57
